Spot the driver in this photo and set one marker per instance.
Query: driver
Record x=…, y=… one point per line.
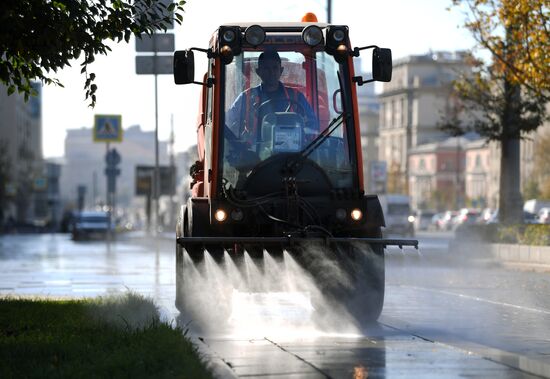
x=270, y=96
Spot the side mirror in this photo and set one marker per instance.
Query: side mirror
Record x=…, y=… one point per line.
x=381, y=64
x=184, y=67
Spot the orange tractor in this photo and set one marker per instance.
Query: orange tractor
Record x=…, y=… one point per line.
x=280, y=160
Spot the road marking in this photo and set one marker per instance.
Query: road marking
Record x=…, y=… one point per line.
x=476, y=298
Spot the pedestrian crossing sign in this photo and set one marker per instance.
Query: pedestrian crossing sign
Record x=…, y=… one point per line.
x=107, y=128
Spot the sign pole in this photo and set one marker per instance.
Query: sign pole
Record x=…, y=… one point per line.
x=107, y=196
x=156, y=172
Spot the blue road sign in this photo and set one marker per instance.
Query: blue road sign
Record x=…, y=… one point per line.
x=112, y=158
x=107, y=128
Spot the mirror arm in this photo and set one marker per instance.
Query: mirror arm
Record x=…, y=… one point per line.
x=209, y=53
x=359, y=80
x=209, y=82
x=355, y=52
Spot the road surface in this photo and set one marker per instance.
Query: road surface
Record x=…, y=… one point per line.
x=444, y=316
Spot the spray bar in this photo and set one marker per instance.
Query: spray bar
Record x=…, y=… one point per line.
x=291, y=240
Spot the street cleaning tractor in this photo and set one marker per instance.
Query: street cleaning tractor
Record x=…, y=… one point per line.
x=279, y=167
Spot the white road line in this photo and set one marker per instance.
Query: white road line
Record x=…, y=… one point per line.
x=476, y=298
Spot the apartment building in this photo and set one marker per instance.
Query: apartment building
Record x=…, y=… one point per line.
x=21, y=149
x=84, y=165
x=412, y=107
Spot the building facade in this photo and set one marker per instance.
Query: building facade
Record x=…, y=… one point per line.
x=85, y=165
x=21, y=152
x=412, y=107
x=437, y=174
x=477, y=173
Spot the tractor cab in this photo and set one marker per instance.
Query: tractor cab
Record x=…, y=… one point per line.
x=260, y=134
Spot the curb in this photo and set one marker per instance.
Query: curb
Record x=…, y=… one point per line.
x=218, y=367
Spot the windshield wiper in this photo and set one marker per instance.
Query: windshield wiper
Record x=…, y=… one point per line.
x=292, y=165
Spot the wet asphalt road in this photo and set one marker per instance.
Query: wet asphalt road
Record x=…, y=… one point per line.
x=444, y=316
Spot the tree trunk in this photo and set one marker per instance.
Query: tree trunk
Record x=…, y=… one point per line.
x=510, y=201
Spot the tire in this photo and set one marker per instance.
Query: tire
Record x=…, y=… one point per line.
x=366, y=299
x=352, y=276
x=185, y=228
x=349, y=275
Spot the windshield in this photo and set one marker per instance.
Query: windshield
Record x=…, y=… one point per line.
x=279, y=102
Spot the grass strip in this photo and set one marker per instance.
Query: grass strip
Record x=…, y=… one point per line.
x=114, y=337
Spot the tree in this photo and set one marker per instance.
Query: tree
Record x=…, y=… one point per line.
x=38, y=37
x=505, y=97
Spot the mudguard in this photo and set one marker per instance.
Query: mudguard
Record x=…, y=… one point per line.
x=374, y=213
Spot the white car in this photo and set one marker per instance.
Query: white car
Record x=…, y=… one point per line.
x=423, y=219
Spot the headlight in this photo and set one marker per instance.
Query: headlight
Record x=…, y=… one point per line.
x=312, y=35
x=339, y=35
x=356, y=214
x=229, y=42
x=220, y=215
x=411, y=218
x=254, y=35
x=336, y=42
x=229, y=35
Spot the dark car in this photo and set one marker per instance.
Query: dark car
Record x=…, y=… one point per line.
x=90, y=224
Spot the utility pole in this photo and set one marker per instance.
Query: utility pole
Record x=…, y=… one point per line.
x=457, y=174
x=156, y=180
x=156, y=64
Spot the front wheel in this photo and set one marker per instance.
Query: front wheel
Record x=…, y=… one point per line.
x=365, y=299
x=352, y=275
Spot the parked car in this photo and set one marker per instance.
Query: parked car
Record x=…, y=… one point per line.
x=543, y=216
x=91, y=224
x=533, y=206
x=423, y=219
x=528, y=218
x=485, y=215
x=436, y=221
x=446, y=222
x=466, y=216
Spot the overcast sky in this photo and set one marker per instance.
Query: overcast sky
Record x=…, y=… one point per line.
x=407, y=27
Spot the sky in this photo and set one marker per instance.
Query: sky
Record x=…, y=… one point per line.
x=407, y=27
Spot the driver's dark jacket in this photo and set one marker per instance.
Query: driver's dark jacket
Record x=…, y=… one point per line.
x=243, y=119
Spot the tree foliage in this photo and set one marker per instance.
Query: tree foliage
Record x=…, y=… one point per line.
x=40, y=37
x=516, y=80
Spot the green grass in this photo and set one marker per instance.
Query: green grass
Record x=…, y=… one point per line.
x=107, y=337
